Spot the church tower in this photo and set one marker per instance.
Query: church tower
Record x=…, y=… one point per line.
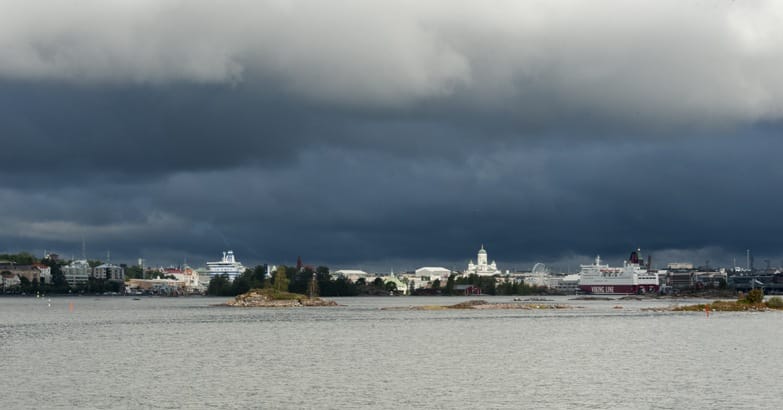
x=482, y=257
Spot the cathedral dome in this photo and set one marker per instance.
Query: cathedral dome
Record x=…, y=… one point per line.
x=482, y=251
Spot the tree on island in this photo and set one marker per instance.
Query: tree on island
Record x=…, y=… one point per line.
x=281, y=279
x=241, y=284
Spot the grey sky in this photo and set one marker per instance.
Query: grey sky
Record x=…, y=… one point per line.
x=379, y=133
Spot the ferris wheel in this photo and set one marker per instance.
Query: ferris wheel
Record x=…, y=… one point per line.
x=539, y=269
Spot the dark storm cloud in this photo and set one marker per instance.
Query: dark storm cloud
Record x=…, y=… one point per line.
x=382, y=134
x=672, y=61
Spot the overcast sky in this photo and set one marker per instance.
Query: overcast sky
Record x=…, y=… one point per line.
x=392, y=134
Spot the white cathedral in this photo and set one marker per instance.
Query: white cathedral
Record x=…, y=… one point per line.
x=481, y=267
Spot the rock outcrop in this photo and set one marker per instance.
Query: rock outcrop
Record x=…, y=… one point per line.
x=266, y=298
x=484, y=305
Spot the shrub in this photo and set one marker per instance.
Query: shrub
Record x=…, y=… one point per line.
x=775, y=302
x=753, y=297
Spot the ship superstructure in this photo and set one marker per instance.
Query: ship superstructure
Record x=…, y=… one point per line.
x=226, y=266
x=634, y=277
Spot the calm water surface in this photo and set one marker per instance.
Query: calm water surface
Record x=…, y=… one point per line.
x=181, y=353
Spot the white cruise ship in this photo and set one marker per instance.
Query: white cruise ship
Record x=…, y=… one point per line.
x=228, y=266
x=633, y=278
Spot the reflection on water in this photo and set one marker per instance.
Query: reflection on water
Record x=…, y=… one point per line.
x=180, y=352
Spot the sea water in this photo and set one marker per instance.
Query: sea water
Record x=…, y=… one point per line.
x=149, y=352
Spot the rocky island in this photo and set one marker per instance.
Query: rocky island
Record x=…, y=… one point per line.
x=753, y=301
x=274, y=298
x=484, y=305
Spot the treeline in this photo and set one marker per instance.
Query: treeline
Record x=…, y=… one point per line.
x=489, y=286
x=304, y=281
x=319, y=282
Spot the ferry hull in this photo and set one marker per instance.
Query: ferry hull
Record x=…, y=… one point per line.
x=619, y=289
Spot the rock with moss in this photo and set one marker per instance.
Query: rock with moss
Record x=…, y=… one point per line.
x=484, y=305
x=275, y=298
x=753, y=301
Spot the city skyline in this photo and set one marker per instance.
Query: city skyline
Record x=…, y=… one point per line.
x=368, y=133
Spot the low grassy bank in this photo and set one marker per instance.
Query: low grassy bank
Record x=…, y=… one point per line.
x=751, y=301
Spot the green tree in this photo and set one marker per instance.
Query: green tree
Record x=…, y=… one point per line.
x=25, y=284
x=219, y=286
x=21, y=258
x=449, y=285
x=240, y=285
x=755, y=296
x=134, y=272
x=58, y=283
x=281, y=279
x=391, y=287
x=322, y=271
x=258, y=277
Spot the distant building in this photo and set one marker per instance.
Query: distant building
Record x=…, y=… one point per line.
x=45, y=273
x=568, y=283
x=155, y=287
x=187, y=276
x=482, y=268
x=352, y=274
x=33, y=273
x=8, y=279
x=108, y=271
x=77, y=272
x=429, y=273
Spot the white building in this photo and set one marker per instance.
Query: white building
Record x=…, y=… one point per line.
x=77, y=272
x=108, y=271
x=352, y=274
x=482, y=268
x=429, y=273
